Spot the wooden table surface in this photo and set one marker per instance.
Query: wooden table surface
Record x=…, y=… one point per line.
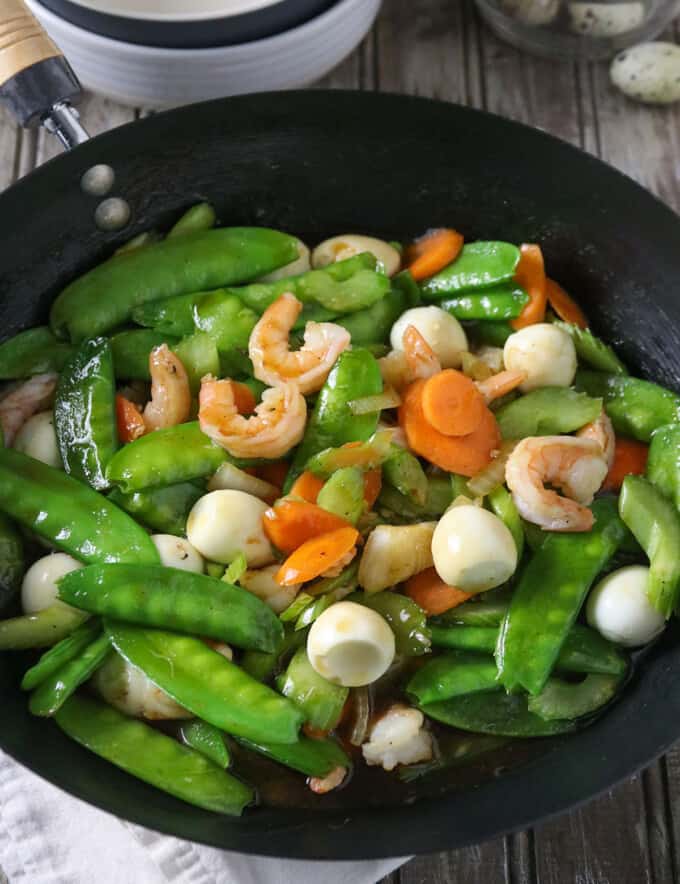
x=440, y=49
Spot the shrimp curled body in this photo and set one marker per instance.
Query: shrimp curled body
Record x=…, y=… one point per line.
x=170, y=393
x=30, y=397
x=273, y=361
x=277, y=425
x=576, y=466
x=602, y=432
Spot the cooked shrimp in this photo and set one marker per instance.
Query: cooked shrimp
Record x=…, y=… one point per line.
x=420, y=357
x=170, y=393
x=500, y=384
x=577, y=466
x=274, y=363
x=277, y=425
x=30, y=397
x=322, y=785
x=602, y=431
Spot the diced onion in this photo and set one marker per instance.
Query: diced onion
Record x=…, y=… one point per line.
x=362, y=715
x=370, y=404
x=493, y=475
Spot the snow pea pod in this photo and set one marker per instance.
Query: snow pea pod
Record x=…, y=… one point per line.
x=69, y=514
x=208, y=740
x=54, y=691
x=32, y=352
x=494, y=334
x=138, y=242
x=636, y=407
x=261, y=666
x=503, y=506
x=406, y=619
x=320, y=701
x=174, y=599
x=480, y=265
x=131, y=349
x=592, y=350
x=61, y=654
x=162, y=509
x=561, y=699
x=314, y=758
x=373, y=324
x=542, y=611
x=404, y=473
x=40, y=630
x=85, y=413
x=656, y=525
x=106, y=296
x=501, y=302
x=170, y=316
x=225, y=319
x=152, y=756
x=343, y=494
x=199, y=355
x=196, y=219
x=663, y=464
x=453, y=675
x=11, y=560
x=547, y=411
x=473, y=613
x=204, y=682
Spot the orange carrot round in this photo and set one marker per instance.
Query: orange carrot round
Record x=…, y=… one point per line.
x=530, y=274
x=307, y=487
x=317, y=555
x=564, y=305
x=291, y=523
x=432, y=252
x=429, y=591
x=129, y=420
x=630, y=458
x=452, y=404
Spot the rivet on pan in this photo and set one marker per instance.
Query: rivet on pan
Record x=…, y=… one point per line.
x=112, y=214
x=98, y=180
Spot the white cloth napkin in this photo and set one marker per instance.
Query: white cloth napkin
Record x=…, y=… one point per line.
x=48, y=837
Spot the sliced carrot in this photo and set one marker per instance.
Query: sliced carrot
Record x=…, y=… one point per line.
x=465, y=455
x=500, y=384
x=307, y=487
x=291, y=523
x=452, y=404
x=244, y=398
x=372, y=486
x=129, y=420
x=630, y=458
x=432, y=252
x=530, y=274
x=429, y=591
x=275, y=473
x=317, y=555
x=564, y=305
x=421, y=359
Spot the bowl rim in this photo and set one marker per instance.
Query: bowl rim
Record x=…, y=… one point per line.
x=243, y=7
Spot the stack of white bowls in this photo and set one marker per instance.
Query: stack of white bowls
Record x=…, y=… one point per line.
x=163, y=53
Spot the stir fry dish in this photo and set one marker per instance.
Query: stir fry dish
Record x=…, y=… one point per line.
x=334, y=508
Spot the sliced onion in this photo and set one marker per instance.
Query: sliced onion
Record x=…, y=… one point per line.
x=370, y=404
x=362, y=715
x=474, y=367
x=493, y=475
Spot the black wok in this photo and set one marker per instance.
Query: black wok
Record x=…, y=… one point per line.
x=318, y=163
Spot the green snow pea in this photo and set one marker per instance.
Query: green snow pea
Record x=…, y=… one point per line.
x=32, y=352
x=402, y=470
x=208, y=685
x=312, y=757
x=592, y=350
x=501, y=302
x=320, y=701
x=40, y=630
x=406, y=619
x=663, y=464
x=355, y=375
x=225, y=319
x=69, y=514
x=11, y=560
x=199, y=355
x=503, y=506
x=534, y=535
x=497, y=713
x=131, y=351
x=162, y=509
x=494, y=334
x=561, y=699
x=480, y=265
x=636, y=407
x=170, y=316
x=548, y=411
x=453, y=750
x=370, y=454
x=106, y=296
x=138, y=242
x=399, y=509
x=52, y=692
x=343, y=494
x=85, y=413
x=453, y=675
x=152, y=756
x=373, y=324
x=262, y=665
x=195, y=220
x=656, y=525
x=473, y=613
x=315, y=609
x=174, y=599
x=208, y=740
x=61, y=654
x=542, y=611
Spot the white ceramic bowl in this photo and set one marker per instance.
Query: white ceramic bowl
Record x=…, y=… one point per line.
x=146, y=76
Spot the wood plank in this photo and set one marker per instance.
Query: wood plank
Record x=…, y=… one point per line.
x=482, y=864
x=9, y=147
x=670, y=769
x=657, y=818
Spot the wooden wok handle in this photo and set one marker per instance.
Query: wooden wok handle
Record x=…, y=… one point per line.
x=34, y=75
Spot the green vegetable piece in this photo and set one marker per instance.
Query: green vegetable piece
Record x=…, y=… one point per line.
x=503, y=506
x=663, y=464
x=320, y=701
x=473, y=613
x=68, y=514
x=151, y=756
x=355, y=375
x=370, y=454
x=314, y=610
x=534, y=535
x=455, y=751
x=453, y=675
x=164, y=510
x=262, y=666
x=406, y=619
x=85, y=413
x=402, y=470
x=636, y=407
x=542, y=611
x=195, y=220
x=216, y=570
x=199, y=355
x=224, y=317
x=138, y=242
x=32, y=352
x=208, y=740
x=480, y=265
x=560, y=699
x=549, y=411
x=494, y=334
x=343, y=494
x=237, y=568
x=39, y=630
x=495, y=713
x=11, y=561
x=131, y=351
x=169, y=316
x=503, y=302
x=314, y=758
x=174, y=599
x=62, y=653
x=106, y=296
x=656, y=525
x=345, y=581
x=207, y=684
x=54, y=691
x=400, y=510
x=592, y=350
x=373, y=324
x=296, y=607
